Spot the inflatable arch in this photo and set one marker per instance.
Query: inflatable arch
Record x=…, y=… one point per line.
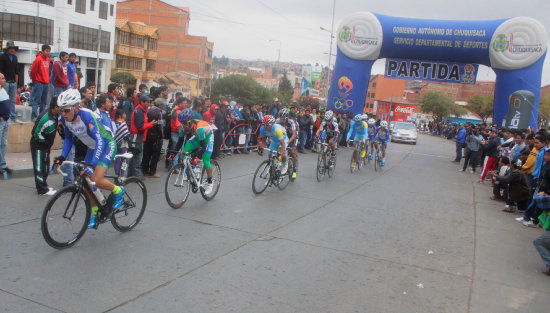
x=446, y=51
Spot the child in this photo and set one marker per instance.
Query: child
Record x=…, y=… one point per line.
x=121, y=136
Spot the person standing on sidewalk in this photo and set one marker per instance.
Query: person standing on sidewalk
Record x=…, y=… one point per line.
x=61, y=73
x=42, y=139
x=71, y=70
x=460, y=139
x=138, y=128
x=40, y=76
x=152, y=144
x=473, y=144
x=491, y=154
x=8, y=67
x=5, y=110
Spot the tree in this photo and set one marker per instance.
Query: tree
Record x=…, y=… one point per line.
x=309, y=101
x=436, y=103
x=124, y=78
x=165, y=81
x=457, y=110
x=482, y=106
x=241, y=88
x=285, y=90
x=544, y=112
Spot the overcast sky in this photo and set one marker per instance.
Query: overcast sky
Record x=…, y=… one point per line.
x=243, y=28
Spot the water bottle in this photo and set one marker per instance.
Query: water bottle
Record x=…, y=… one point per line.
x=99, y=195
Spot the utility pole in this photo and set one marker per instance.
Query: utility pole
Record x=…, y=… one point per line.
x=330, y=50
x=38, y=26
x=97, y=60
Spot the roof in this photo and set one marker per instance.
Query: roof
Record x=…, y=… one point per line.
x=138, y=28
x=397, y=100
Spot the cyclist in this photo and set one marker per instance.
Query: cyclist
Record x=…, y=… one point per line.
x=202, y=137
x=382, y=137
x=372, y=132
x=291, y=128
x=279, y=139
x=330, y=125
x=358, y=130
x=83, y=124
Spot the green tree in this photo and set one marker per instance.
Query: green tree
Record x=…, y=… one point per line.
x=309, y=101
x=285, y=90
x=436, y=103
x=241, y=88
x=457, y=110
x=124, y=78
x=544, y=112
x=482, y=106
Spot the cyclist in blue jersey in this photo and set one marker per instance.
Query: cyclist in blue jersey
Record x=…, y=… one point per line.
x=371, y=130
x=279, y=139
x=83, y=124
x=382, y=137
x=358, y=130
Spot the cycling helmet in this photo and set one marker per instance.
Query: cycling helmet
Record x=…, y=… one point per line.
x=384, y=124
x=358, y=117
x=269, y=120
x=365, y=117
x=185, y=116
x=69, y=98
x=329, y=115
x=371, y=121
x=284, y=113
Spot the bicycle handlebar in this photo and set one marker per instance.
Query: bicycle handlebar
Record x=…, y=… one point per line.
x=64, y=163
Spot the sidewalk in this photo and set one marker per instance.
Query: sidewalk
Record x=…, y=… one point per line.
x=21, y=162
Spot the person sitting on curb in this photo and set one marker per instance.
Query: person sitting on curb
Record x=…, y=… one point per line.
x=518, y=187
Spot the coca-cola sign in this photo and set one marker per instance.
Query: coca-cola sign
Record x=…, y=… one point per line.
x=406, y=109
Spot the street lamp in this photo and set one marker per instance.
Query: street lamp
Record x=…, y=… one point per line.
x=331, y=31
x=279, y=56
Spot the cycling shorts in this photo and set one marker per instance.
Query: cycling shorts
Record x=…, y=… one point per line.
x=359, y=136
x=383, y=144
x=194, y=143
x=106, y=156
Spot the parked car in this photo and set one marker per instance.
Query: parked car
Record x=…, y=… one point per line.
x=404, y=132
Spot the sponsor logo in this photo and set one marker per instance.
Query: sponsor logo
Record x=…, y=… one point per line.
x=469, y=74
x=348, y=34
x=404, y=109
x=345, y=34
x=506, y=43
x=501, y=43
x=344, y=89
x=345, y=84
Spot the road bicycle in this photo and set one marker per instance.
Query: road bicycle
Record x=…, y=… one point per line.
x=67, y=213
x=326, y=159
x=358, y=157
x=377, y=157
x=190, y=175
x=269, y=173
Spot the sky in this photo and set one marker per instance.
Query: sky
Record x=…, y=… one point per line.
x=254, y=29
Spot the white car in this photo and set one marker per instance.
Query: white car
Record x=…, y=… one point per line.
x=404, y=132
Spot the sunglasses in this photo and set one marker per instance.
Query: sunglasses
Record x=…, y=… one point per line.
x=66, y=110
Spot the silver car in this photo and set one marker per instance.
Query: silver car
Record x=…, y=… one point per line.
x=404, y=132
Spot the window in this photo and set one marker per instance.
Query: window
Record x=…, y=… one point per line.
x=123, y=38
x=111, y=10
x=80, y=6
x=135, y=63
x=85, y=38
x=46, y=2
x=150, y=66
x=92, y=5
x=70, y=2
x=152, y=44
x=372, y=95
x=137, y=41
x=103, y=10
x=121, y=61
x=373, y=85
x=207, y=67
x=25, y=28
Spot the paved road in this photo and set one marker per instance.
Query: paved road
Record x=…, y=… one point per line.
x=356, y=243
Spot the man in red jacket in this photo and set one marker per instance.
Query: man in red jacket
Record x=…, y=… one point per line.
x=60, y=73
x=40, y=75
x=138, y=128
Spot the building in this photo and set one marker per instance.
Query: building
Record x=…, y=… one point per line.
x=136, y=50
x=457, y=92
x=177, y=50
x=65, y=25
x=381, y=88
x=395, y=109
x=545, y=92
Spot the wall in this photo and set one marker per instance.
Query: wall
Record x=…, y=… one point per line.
x=385, y=87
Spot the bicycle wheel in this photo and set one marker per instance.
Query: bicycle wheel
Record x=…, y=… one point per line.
x=368, y=149
x=376, y=157
x=285, y=179
x=360, y=157
x=65, y=218
x=216, y=181
x=262, y=177
x=332, y=164
x=353, y=166
x=321, y=166
x=177, y=186
x=133, y=207
x=291, y=170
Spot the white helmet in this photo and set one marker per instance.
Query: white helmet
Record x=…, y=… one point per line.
x=365, y=116
x=371, y=121
x=69, y=97
x=329, y=115
x=384, y=124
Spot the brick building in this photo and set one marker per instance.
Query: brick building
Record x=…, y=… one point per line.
x=545, y=92
x=380, y=88
x=460, y=92
x=177, y=50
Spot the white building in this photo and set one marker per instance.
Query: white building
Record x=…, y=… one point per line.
x=65, y=25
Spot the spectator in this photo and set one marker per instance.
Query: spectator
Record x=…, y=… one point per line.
x=92, y=88
x=40, y=76
x=153, y=142
x=60, y=73
x=181, y=103
x=8, y=67
x=71, y=70
x=245, y=113
x=304, y=122
x=491, y=154
x=42, y=139
x=460, y=139
x=221, y=124
x=473, y=145
x=142, y=90
x=128, y=103
x=207, y=104
x=504, y=164
x=121, y=136
x=519, y=144
x=104, y=104
x=86, y=96
x=210, y=115
x=112, y=90
x=5, y=111
x=138, y=129
x=197, y=109
x=518, y=187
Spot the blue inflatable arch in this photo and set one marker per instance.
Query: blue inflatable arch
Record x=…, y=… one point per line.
x=515, y=48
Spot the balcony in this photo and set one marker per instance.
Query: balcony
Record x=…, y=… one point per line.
x=137, y=52
x=151, y=54
x=149, y=75
x=122, y=49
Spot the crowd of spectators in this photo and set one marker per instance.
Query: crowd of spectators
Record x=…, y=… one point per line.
x=517, y=163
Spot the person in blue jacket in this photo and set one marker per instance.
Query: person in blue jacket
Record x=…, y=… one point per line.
x=460, y=140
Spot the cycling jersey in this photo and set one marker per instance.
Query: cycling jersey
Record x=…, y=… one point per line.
x=382, y=135
x=202, y=132
x=276, y=133
x=357, y=131
x=290, y=125
x=86, y=127
x=372, y=132
x=330, y=127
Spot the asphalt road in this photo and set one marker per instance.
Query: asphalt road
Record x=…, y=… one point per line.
x=355, y=243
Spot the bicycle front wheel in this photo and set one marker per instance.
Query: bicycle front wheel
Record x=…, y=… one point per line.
x=332, y=164
x=65, y=218
x=376, y=163
x=216, y=181
x=177, y=186
x=262, y=177
x=285, y=179
x=133, y=205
